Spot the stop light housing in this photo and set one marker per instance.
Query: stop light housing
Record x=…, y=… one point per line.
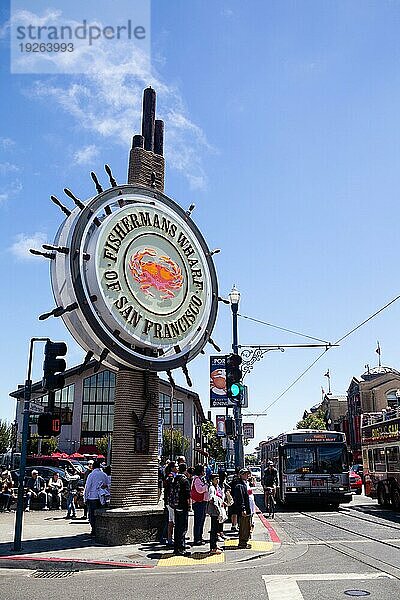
x=233, y=376
x=49, y=425
x=53, y=366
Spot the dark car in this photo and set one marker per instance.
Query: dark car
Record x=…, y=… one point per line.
x=45, y=472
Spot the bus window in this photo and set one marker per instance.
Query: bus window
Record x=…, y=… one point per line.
x=299, y=460
x=370, y=460
x=393, y=459
x=332, y=459
x=379, y=460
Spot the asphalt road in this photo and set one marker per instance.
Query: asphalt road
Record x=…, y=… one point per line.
x=325, y=555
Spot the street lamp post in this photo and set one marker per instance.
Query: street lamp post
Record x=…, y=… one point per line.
x=234, y=298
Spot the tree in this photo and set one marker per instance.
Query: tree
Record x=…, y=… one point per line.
x=49, y=445
x=180, y=443
x=315, y=420
x=214, y=442
x=250, y=459
x=5, y=436
x=102, y=445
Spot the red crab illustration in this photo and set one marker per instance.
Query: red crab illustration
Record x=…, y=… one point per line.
x=164, y=275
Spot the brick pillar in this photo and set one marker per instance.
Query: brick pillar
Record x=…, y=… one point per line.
x=134, y=478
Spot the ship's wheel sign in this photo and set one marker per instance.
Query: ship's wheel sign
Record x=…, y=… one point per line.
x=141, y=276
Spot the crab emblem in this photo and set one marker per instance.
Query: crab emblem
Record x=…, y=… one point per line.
x=163, y=275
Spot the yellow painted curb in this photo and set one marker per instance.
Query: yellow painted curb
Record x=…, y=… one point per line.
x=255, y=545
x=197, y=558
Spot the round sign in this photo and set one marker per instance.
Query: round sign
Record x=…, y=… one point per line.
x=141, y=276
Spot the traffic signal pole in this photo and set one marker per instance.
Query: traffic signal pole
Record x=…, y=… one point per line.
x=237, y=409
x=24, y=447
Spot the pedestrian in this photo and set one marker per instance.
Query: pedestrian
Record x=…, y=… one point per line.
x=36, y=489
x=85, y=476
x=232, y=508
x=214, y=509
x=55, y=488
x=72, y=486
x=170, y=473
x=180, y=500
x=242, y=507
x=224, y=487
x=199, y=497
x=97, y=480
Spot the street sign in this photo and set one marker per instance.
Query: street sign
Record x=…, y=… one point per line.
x=248, y=431
x=36, y=409
x=220, y=420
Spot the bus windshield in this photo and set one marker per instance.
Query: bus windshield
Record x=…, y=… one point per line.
x=316, y=459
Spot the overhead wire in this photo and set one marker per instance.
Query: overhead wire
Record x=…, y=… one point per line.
x=310, y=337
x=326, y=350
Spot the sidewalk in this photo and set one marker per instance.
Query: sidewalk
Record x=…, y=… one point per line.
x=50, y=542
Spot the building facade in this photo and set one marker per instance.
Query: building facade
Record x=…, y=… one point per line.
x=86, y=408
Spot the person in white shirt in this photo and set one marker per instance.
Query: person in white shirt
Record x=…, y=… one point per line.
x=96, y=481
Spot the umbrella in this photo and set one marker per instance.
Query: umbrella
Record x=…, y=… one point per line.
x=100, y=456
x=63, y=455
x=76, y=455
x=56, y=454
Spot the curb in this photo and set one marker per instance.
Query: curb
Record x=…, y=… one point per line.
x=65, y=564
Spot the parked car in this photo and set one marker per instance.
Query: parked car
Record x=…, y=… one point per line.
x=355, y=482
x=359, y=469
x=256, y=473
x=45, y=472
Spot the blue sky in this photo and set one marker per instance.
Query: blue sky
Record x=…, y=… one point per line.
x=282, y=126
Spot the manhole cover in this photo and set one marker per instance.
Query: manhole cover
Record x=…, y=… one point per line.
x=357, y=593
x=52, y=574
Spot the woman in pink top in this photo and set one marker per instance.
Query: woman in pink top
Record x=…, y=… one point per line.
x=199, y=497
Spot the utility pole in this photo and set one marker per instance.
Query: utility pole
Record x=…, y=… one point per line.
x=234, y=298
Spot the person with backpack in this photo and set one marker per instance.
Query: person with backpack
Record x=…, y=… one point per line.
x=199, y=496
x=180, y=501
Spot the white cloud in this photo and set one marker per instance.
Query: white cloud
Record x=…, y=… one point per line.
x=6, y=142
x=107, y=102
x=10, y=190
x=86, y=155
x=23, y=242
x=7, y=167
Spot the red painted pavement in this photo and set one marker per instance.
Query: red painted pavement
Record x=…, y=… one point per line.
x=272, y=533
x=50, y=559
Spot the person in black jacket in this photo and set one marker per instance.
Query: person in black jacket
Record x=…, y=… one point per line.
x=181, y=501
x=242, y=507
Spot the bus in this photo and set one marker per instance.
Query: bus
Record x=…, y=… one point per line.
x=312, y=465
x=380, y=441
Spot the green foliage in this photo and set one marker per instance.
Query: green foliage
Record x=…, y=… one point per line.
x=180, y=443
x=214, y=442
x=5, y=436
x=33, y=444
x=314, y=420
x=250, y=459
x=49, y=445
x=102, y=445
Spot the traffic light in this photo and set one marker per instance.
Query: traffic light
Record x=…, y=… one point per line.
x=230, y=428
x=233, y=376
x=48, y=425
x=54, y=367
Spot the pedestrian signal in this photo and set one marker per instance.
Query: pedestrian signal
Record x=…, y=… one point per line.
x=49, y=425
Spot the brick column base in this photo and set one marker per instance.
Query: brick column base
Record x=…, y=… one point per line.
x=134, y=477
